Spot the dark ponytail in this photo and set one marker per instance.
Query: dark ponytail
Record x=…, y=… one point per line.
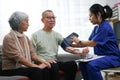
x=106, y=11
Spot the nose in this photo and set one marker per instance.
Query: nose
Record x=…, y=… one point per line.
x=52, y=18
x=27, y=24
x=89, y=18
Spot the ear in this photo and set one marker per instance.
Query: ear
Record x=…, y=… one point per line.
x=99, y=15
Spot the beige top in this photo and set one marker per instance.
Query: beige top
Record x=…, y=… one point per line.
x=11, y=54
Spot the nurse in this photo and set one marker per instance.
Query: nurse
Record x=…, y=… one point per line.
x=104, y=42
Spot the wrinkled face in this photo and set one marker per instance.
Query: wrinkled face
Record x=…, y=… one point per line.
x=23, y=25
x=49, y=20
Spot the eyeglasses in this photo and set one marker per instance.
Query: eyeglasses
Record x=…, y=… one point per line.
x=49, y=18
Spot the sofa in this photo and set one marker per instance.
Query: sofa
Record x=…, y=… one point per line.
x=60, y=57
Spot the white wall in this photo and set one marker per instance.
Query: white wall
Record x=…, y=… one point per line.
x=112, y=2
x=72, y=15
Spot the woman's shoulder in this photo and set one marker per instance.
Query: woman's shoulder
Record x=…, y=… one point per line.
x=8, y=36
x=106, y=24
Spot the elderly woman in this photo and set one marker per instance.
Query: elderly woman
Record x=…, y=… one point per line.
x=18, y=53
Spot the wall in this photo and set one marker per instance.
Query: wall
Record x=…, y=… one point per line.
x=72, y=16
x=111, y=3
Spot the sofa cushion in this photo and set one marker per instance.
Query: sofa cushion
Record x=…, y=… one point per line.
x=13, y=78
x=0, y=63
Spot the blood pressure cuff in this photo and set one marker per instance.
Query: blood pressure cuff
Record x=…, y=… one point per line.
x=67, y=42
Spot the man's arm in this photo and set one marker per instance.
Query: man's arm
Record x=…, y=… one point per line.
x=76, y=51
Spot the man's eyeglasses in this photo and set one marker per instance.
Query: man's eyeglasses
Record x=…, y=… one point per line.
x=49, y=18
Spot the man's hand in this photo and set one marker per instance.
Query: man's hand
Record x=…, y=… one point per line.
x=51, y=61
x=85, y=50
x=76, y=51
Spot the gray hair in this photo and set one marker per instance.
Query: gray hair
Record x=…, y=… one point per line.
x=16, y=18
x=44, y=13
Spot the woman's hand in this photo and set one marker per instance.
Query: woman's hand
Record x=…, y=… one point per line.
x=75, y=39
x=51, y=61
x=42, y=66
x=47, y=64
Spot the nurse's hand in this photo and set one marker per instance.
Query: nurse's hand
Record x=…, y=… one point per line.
x=75, y=39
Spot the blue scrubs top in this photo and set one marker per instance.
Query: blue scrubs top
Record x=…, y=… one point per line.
x=106, y=40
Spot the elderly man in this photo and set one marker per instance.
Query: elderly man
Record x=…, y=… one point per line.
x=46, y=42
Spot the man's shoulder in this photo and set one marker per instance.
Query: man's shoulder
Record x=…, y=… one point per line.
x=57, y=33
